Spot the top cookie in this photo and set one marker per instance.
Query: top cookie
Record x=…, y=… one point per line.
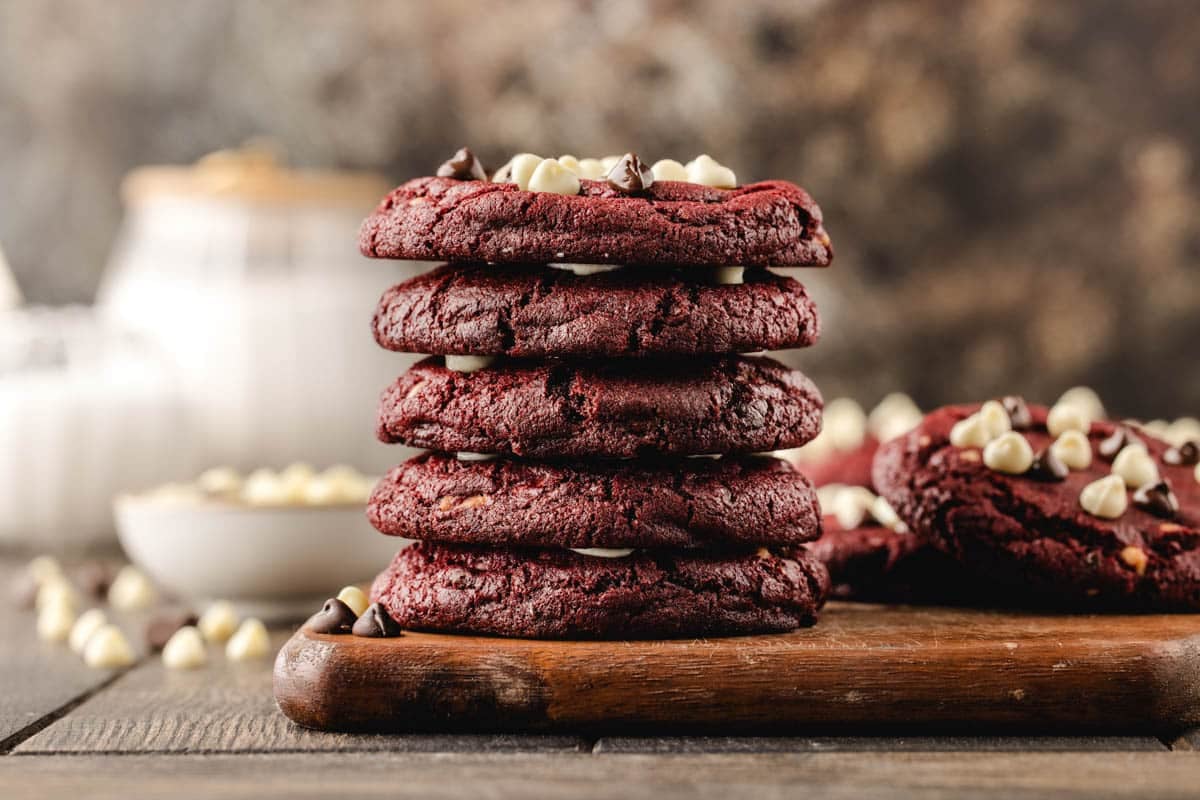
x=1110, y=517
x=670, y=223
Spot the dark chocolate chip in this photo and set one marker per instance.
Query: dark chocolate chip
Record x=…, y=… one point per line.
x=94, y=578
x=630, y=174
x=376, y=623
x=334, y=617
x=1185, y=455
x=162, y=627
x=1120, y=438
x=1018, y=412
x=1157, y=499
x=1047, y=467
x=464, y=166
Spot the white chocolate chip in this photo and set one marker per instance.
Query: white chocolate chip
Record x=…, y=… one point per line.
x=355, y=598
x=218, y=622
x=220, y=480
x=338, y=484
x=592, y=169
x=587, y=269
x=55, y=590
x=1085, y=399
x=131, y=590
x=844, y=423
x=969, y=432
x=669, y=169
x=87, y=624
x=264, y=488
x=43, y=568
x=1065, y=417
x=552, y=177
x=107, y=648
x=707, y=172
x=1156, y=427
x=608, y=162
x=1135, y=557
x=1073, y=449
x=54, y=621
x=185, y=649
x=1135, y=466
x=995, y=419
x=727, y=276
x=520, y=169
x=826, y=495
x=250, y=642
x=1010, y=453
x=851, y=505
x=463, y=455
x=468, y=363
x=895, y=416
x=1105, y=497
x=603, y=552
x=885, y=515
x=295, y=479
x=570, y=162
x=1182, y=430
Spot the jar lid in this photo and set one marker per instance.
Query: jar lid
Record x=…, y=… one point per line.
x=253, y=173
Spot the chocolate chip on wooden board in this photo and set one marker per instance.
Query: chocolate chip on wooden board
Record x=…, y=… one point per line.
x=334, y=617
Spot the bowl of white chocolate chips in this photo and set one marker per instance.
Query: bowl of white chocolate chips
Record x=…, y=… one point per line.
x=270, y=542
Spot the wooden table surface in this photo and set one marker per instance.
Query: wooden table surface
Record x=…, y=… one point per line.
x=68, y=731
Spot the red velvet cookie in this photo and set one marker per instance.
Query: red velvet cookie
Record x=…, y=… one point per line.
x=612, y=409
x=671, y=223
x=558, y=594
x=687, y=504
x=535, y=311
x=1032, y=533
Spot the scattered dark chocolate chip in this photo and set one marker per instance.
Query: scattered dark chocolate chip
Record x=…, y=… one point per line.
x=334, y=617
x=94, y=578
x=630, y=174
x=163, y=626
x=1157, y=499
x=1120, y=438
x=464, y=166
x=1185, y=455
x=1047, y=467
x=376, y=623
x=1018, y=412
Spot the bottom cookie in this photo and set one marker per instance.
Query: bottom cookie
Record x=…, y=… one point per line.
x=560, y=594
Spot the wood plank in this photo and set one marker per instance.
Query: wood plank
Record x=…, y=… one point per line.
x=876, y=744
x=228, y=707
x=627, y=777
x=39, y=679
x=860, y=666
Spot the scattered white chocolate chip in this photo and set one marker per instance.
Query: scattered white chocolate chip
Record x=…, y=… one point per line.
x=294, y=479
x=885, y=515
x=220, y=480
x=587, y=269
x=603, y=552
x=251, y=641
x=668, y=169
x=1010, y=453
x=264, y=488
x=1085, y=399
x=1105, y=497
x=1135, y=557
x=107, y=648
x=995, y=419
x=851, y=505
x=844, y=423
x=1065, y=417
x=54, y=621
x=87, y=624
x=338, y=484
x=521, y=168
x=43, y=568
x=895, y=415
x=355, y=598
x=727, y=276
x=971, y=431
x=185, y=649
x=608, y=162
x=463, y=455
x=1182, y=430
x=826, y=495
x=131, y=590
x=1073, y=449
x=468, y=363
x=1135, y=466
x=569, y=162
x=1156, y=427
x=707, y=172
x=592, y=169
x=553, y=178
x=55, y=589
x=218, y=622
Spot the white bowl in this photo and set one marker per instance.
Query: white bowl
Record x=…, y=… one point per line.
x=274, y=563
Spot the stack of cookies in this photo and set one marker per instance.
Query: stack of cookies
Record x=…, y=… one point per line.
x=600, y=445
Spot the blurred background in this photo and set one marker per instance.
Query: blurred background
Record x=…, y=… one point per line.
x=1011, y=186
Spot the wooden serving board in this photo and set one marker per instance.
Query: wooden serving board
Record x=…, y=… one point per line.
x=871, y=667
